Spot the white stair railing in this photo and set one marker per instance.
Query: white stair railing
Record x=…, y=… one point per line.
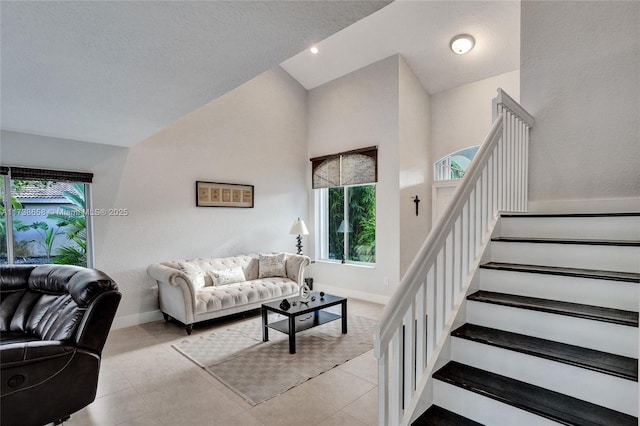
x=418, y=317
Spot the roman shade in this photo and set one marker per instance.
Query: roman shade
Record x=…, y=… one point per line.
x=355, y=167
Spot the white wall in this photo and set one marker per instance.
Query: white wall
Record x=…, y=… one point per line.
x=355, y=111
x=414, y=141
x=461, y=117
x=253, y=135
x=54, y=153
x=580, y=68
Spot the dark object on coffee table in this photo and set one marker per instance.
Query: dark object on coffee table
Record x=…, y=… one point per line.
x=322, y=295
x=285, y=305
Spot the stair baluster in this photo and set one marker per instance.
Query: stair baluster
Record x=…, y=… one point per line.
x=433, y=287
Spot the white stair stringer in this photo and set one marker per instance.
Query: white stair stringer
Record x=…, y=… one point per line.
x=589, y=291
x=482, y=409
x=599, y=388
x=586, y=256
x=602, y=336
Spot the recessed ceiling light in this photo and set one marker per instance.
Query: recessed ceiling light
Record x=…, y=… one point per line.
x=462, y=43
x=314, y=50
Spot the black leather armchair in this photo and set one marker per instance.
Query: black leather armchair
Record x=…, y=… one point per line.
x=54, y=321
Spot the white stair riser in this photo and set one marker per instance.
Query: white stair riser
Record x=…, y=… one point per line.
x=602, y=336
x=598, y=388
x=606, y=228
x=482, y=409
x=607, y=258
x=606, y=293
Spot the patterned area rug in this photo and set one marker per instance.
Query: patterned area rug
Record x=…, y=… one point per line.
x=258, y=370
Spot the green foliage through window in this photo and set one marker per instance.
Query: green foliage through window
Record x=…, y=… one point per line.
x=3, y=224
x=60, y=233
x=357, y=223
x=74, y=222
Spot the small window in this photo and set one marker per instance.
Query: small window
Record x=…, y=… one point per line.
x=454, y=165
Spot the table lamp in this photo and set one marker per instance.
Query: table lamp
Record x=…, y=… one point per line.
x=299, y=228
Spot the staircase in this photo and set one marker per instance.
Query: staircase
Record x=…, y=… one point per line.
x=549, y=328
x=513, y=319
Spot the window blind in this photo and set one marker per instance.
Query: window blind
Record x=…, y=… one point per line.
x=355, y=167
x=52, y=175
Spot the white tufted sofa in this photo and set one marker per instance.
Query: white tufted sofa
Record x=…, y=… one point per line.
x=182, y=300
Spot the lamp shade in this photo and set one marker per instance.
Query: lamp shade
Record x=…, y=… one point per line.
x=299, y=228
x=341, y=228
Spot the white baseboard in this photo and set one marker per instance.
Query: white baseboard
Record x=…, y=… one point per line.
x=603, y=205
x=339, y=291
x=136, y=319
x=144, y=317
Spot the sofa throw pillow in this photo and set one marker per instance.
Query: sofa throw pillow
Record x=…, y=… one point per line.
x=194, y=273
x=227, y=276
x=272, y=265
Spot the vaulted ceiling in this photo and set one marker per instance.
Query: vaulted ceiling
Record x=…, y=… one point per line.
x=117, y=72
x=421, y=31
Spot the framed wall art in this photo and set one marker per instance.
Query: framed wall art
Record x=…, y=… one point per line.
x=214, y=194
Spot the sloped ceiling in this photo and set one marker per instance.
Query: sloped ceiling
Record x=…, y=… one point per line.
x=117, y=72
x=421, y=31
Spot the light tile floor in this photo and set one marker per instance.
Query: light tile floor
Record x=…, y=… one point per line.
x=144, y=381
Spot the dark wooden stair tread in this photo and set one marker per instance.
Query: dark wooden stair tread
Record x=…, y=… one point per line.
x=603, y=362
x=590, y=242
x=438, y=416
x=571, y=272
x=534, y=399
x=597, y=313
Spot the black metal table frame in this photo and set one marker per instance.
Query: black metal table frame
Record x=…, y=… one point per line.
x=319, y=317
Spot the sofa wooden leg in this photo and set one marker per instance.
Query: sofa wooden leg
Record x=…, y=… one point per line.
x=166, y=317
x=189, y=328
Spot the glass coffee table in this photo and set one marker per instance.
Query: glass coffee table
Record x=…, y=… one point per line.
x=298, y=318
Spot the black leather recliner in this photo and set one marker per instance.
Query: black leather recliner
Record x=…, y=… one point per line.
x=54, y=321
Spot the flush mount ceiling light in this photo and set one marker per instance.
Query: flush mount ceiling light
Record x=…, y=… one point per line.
x=314, y=50
x=462, y=43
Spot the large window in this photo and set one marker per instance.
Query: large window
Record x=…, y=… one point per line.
x=346, y=205
x=44, y=217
